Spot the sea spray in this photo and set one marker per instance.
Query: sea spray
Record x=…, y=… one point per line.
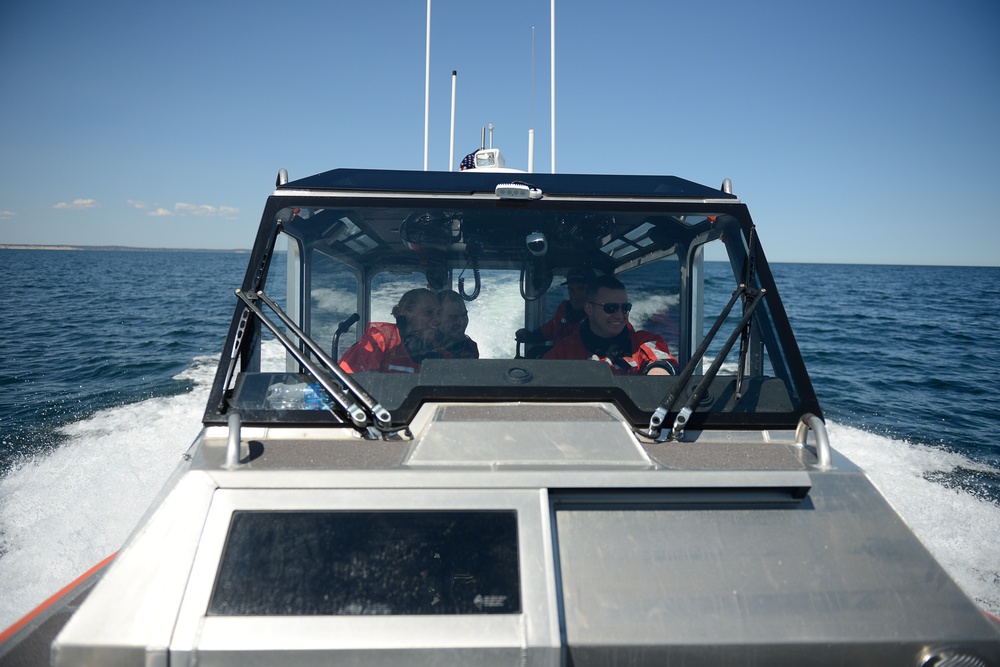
x=63, y=512
x=961, y=529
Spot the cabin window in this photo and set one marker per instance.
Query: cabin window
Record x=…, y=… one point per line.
x=495, y=313
x=721, y=278
x=386, y=289
x=654, y=290
x=333, y=300
x=351, y=563
x=493, y=301
x=509, y=262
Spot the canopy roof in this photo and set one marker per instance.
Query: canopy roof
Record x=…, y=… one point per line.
x=593, y=185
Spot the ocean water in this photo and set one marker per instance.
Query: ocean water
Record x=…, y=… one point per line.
x=108, y=357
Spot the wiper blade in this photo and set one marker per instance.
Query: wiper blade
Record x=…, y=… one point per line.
x=369, y=417
x=234, y=355
x=660, y=414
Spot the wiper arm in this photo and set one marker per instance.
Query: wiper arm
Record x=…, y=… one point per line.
x=660, y=414
x=751, y=267
x=682, y=417
x=370, y=417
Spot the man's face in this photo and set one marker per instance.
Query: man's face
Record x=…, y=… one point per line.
x=607, y=325
x=454, y=320
x=577, y=293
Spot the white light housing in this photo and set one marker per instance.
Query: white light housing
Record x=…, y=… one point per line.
x=517, y=191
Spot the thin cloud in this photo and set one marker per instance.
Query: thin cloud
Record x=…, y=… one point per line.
x=205, y=210
x=6, y=215
x=78, y=204
x=184, y=209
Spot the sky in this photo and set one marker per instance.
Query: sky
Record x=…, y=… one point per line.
x=855, y=131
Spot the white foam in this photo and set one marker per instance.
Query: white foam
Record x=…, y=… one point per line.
x=959, y=528
x=66, y=511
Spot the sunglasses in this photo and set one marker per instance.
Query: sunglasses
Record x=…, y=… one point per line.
x=612, y=308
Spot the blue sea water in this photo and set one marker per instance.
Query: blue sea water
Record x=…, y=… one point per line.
x=108, y=356
x=909, y=352
x=84, y=331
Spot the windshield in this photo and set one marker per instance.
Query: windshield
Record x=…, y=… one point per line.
x=427, y=299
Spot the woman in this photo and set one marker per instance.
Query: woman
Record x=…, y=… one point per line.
x=399, y=347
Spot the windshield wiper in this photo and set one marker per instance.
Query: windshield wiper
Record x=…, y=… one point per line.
x=751, y=268
x=369, y=417
x=658, y=417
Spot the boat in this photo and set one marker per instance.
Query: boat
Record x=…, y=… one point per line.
x=513, y=506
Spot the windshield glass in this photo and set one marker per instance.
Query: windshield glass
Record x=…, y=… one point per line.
x=420, y=300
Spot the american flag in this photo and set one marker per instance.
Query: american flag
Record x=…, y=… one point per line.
x=468, y=162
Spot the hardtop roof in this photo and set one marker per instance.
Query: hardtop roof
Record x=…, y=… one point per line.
x=468, y=182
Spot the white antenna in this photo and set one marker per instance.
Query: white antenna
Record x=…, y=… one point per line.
x=531, y=151
x=451, y=155
x=427, y=87
x=553, y=82
x=531, y=120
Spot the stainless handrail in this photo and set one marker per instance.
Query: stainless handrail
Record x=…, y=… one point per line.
x=233, y=443
x=810, y=422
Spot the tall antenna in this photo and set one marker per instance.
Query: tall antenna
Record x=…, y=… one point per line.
x=451, y=153
x=552, y=58
x=531, y=119
x=427, y=87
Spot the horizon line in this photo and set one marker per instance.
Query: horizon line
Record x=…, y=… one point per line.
x=67, y=246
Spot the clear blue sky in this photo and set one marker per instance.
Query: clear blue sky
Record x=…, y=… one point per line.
x=856, y=131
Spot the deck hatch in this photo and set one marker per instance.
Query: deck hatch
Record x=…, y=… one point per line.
x=362, y=563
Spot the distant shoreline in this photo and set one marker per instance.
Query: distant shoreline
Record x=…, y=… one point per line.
x=23, y=246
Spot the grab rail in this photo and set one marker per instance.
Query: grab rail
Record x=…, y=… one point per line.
x=233, y=443
x=810, y=422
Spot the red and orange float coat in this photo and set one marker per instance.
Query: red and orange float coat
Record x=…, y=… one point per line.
x=381, y=349
x=646, y=348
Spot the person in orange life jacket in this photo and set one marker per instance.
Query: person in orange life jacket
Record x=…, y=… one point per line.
x=569, y=314
x=401, y=347
x=606, y=336
x=451, y=336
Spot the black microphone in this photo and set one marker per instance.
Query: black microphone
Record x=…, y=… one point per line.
x=348, y=323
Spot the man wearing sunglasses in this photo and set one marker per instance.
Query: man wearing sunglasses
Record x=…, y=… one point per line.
x=606, y=336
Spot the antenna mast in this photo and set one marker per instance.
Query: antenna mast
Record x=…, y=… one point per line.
x=552, y=58
x=531, y=119
x=451, y=154
x=427, y=86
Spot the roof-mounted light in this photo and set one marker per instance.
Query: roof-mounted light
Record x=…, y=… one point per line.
x=517, y=191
